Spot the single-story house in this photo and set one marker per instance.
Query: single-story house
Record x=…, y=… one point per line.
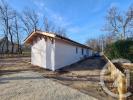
x=52, y=51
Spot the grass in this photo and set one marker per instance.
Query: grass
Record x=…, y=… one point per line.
x=24, y=54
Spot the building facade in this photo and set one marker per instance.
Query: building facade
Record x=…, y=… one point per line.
x=52, y=51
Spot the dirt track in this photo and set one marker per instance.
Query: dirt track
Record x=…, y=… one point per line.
x=82, y=77
x=30, y=85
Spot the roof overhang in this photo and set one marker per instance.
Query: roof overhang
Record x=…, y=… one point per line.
x=30, y=38
x=34, y=34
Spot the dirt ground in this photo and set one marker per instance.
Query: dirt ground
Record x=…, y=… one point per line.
x=29, y=85
x=83, y=76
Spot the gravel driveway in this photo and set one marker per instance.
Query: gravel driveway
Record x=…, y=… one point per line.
x=28, y=85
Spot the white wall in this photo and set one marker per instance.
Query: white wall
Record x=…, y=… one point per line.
x=42, y=53
x=38, y=53
x=50, y=54
x=65, y=54
x=55, y=55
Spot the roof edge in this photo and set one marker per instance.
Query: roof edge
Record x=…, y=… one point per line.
x=55, y=36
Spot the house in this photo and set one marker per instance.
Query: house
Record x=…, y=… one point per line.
x=52, y=51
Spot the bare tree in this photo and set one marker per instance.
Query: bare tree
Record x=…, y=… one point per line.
x=47, y=25
x=6, y=15
x=11, y=38
x=50, y=27
x=16, y=30
x=94, y=43
x=100, y=42
x=130, y=20
x=61, y=31
x=117, y=23
x=30, y=20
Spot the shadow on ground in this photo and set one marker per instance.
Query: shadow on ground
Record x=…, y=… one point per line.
x=83, y=76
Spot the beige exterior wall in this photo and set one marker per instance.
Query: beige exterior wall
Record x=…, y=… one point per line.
x=56, y=54
x=38, y=53
x=50, y=54
x=65, y=53
x=42, y=53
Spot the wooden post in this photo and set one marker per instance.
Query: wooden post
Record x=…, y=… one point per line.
x=52, y=40
x=122, y=87
x=45, y=37
x=117, y=70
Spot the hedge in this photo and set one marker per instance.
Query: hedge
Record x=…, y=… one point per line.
x=120, y=49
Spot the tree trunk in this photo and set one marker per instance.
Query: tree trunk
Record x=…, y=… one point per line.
x=124, y=32
x=11, y=37
x=7, y=44
x=7, y=31
x=3, y=45
x=18, y=43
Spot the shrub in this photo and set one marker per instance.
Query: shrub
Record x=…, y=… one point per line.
x=120, y=49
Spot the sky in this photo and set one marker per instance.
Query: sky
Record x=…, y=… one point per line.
x=82, y=19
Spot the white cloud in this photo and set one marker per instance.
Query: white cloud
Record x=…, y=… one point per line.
x=74, y=29
x=57, y=19
x=54, y=17
x=39, y=3
x=39, y=7
x=114, y=4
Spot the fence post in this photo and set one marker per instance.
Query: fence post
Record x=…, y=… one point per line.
x=121, y=80
x=122, y=87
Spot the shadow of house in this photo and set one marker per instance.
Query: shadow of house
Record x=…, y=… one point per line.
x=91, y=63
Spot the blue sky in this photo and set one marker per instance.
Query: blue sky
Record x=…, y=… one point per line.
x=83, y=19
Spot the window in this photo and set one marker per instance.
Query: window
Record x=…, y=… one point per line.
x=76, y=50
x=82, y=51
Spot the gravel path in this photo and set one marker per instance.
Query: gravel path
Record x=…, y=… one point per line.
x=30, y=85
